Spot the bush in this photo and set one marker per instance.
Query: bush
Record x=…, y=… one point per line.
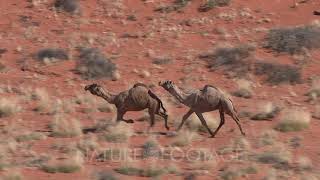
x=267, y=111
x=176, y=6
x=52, y=53
x=119, y=133
x=150, y=148
x=278, y=73
x=210, y=4
x=105, y=176
x=92, y=64
x=149, y=172
x=70, y=6
x=62, y=127
x=8, y=107
x=293, y=40
x=233, y=59
x=294, y=120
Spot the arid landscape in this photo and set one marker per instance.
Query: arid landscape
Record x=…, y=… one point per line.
x=264, y=55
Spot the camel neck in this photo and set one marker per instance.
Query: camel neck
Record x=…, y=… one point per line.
x=108, y=97
x=179, y=94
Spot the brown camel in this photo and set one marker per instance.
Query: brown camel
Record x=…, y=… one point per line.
x=207, y=99
x=137, y=98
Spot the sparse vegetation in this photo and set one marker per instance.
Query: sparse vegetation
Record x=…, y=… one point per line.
x=176, y=6
x=185, y=138
x=70, y=6
x=92, y=64
x=234, y=172
x=64, y=127
x=148, y=172
x=314, y=91
x=150, y=148
x=30, y=137
x=294, y=120
x=52, y=54
x=279, y=157
x=8, y=107
x=268, y=137
x=278, y=73
x=266, y=111
x=105, y=175
x=293, y=40
x=114, y=154
x=70, y=165
x=118, y=133
x=194, y=123
x=233, y=59
x=244, y=89
x=210, y=4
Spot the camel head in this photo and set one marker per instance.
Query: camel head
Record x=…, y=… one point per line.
x=167, y=85
x=94, y=89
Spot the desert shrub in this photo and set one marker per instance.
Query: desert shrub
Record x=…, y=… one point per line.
x=70, y=6
x=279, y=158
x=133, y=171
x=61, y=126
x=184, y=138
x=268, y=137
x=294, y=120
x=314, y=91
x=150, y=148
x=8, y=107
x=266, y=111
x=118, y=133
x=244, y=89
x=92, y=64
x=278, y=73
x=105, y=175
x=52, y=53
x=194, y=123
x=30, y=137
x=70, y=165
x=61, y=168
x=235, y=172
x=232, y=59
x=114, y=154
x=210, y=4
x=293, y=40
x=176, y=6
x=162, y=60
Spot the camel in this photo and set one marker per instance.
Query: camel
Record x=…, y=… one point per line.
x=207, y=99
x=137, y=98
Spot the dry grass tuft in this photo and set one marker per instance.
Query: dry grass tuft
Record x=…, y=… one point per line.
x=210, y=4
x=279, y=157
x=304, y=163
x=244, y=89
x=12, y=175
x=266, y=111
x=8, y=107
x=118, y=133
x=194, y=123
x=294, y=120
x=62, y=126
x=294, y=39
x=314, y=91
x=268, y=137
x=70, y=165
x=150, y=148
x=185, y=138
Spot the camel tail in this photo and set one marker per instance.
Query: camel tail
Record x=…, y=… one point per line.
x=158, y=99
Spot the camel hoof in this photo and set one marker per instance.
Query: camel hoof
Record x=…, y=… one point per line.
x=167, y=128
x=243, y=134
x=212, y=136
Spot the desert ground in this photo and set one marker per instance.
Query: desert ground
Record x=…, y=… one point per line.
x=264, y=55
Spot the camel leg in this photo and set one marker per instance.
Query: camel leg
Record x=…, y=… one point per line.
x=204, y=123
x=120, y=115
x=236, y=119
x=165, y=117
x=152, y=118
x=221, y=122
x=184, y=118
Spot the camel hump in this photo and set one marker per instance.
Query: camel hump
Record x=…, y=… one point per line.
x=205, y=88
x=140, y=85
